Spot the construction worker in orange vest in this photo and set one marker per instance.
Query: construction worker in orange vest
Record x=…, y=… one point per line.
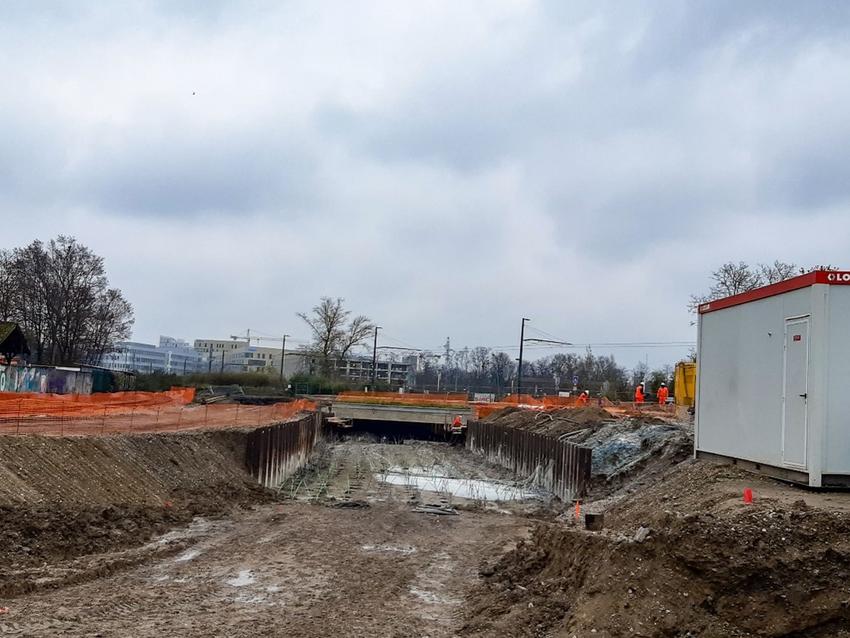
x=639, y=393
x=663, y=393
x=456, y=431
x=583, y=397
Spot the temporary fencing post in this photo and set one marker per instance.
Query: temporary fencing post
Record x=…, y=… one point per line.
x=103, y=421
x=179, y=417
x=132, y=413
x=18, y=427
x=61, y=419
x=157, y=417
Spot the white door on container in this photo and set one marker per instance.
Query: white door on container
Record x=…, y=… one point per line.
x=795, y=392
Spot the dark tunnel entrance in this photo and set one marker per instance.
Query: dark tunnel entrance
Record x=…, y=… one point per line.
x=399, y=431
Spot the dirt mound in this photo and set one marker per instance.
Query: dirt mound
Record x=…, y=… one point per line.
x=624, y=450
x=552, y=422
x=61, y=498
x=709, y=566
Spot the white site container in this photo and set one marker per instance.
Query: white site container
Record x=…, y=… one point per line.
x=773, y=379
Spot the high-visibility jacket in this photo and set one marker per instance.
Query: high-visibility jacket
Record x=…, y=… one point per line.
x=638, y=394
x=582, y=398
x=663, y=393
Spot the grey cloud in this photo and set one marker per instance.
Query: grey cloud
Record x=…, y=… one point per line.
x=229, y=173
x=489, y=172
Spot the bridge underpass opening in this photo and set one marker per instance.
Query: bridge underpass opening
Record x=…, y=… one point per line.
x=397, y=431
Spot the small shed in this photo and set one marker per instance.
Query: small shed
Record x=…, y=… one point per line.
x=13, y=343
x=773, y=385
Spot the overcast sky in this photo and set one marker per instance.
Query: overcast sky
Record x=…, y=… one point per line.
x=446, y=167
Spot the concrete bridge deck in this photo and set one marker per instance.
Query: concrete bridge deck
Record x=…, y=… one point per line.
x=400, y=413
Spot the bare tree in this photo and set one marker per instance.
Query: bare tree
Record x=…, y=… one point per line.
x=732, y=279
x=326, y=323
x=7, y=286
x=333, y=335
x=479, y=357
x=356, y=333
x=502, y=369
x=61, y=297
x=777, y=271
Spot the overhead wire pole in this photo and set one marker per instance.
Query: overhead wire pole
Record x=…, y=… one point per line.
x=519, y=369
x=282, y=357
x=375, y=360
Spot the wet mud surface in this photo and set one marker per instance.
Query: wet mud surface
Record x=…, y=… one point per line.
x=293, y=569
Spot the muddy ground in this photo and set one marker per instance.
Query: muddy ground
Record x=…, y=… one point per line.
x=363, y=470
x=343, y=554
x=289, y=570
x=680, y=556
x=167, y=536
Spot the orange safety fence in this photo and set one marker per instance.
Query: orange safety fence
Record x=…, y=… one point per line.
x=32, y=403
x=442, y=396
x=483, y=409
x=393, y=398
x=130, y=412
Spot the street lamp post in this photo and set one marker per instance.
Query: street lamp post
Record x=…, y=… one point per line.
x=375, y=360
x=282, y=357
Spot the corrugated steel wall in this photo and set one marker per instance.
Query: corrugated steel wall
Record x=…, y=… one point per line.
x=276, y=451
x=560, y=467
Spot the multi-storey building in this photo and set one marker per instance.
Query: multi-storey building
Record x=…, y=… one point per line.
x=359, y=370
x=171, y=356
x=236, y=355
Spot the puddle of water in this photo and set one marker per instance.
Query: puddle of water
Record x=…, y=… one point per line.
x=199, y=526
x=188, y=555
x=432, y=598
x=389, y=548
x=432, y=480
x=245, y=577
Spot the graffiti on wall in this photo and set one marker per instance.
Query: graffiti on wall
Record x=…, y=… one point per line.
x=41, y=379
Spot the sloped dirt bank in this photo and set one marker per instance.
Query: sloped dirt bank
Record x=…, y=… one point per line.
x=625, y=450
x=709, y=566
x=63, y=498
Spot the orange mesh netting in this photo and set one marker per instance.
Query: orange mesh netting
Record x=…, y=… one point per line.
x=481, y=410
x=132, y=412
x=31, y=403
x=393, y=398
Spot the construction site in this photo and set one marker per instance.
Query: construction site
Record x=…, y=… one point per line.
x=380, y=319
x=368, y=514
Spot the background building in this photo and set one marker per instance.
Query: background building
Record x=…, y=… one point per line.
x=171, y=356
x=358, y=369
x=237, y=355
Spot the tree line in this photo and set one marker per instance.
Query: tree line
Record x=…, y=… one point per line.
x=335, y=332
x=59, y=294
x=481, y=369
